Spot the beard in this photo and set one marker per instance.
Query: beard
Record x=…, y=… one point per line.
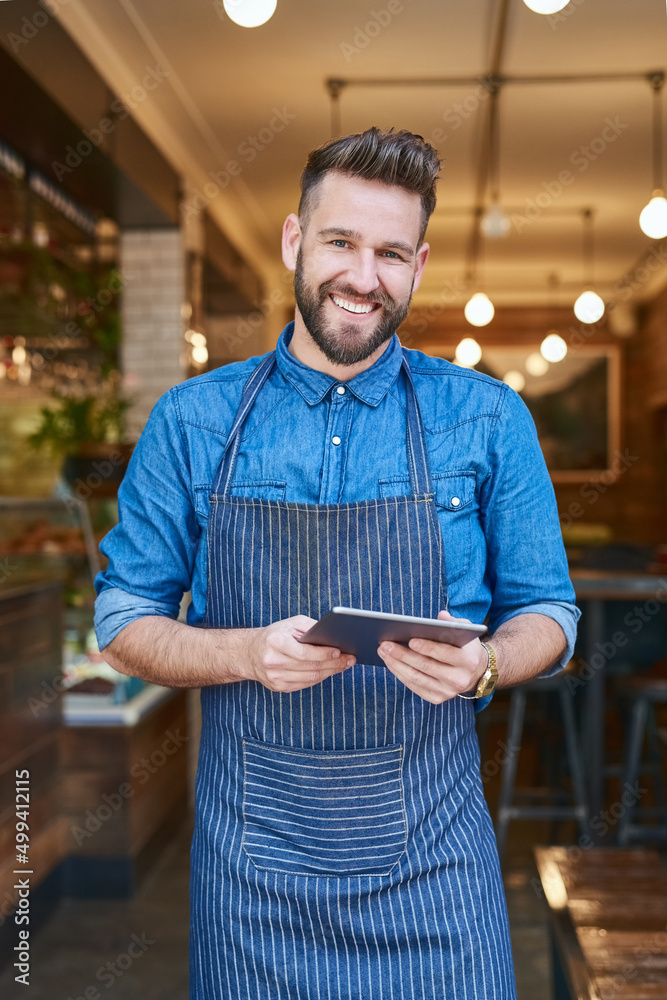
x=345, y=344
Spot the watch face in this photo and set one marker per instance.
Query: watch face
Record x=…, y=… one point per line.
x=487, y=683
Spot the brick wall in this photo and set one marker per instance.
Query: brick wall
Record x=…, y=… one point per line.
x=153, y=267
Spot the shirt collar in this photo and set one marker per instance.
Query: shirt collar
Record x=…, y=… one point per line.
x=370, y=386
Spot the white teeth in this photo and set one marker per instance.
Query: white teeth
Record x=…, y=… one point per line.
x=352, y=306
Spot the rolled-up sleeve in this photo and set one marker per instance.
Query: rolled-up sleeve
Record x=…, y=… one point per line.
x=527, y=568
x=152, y=549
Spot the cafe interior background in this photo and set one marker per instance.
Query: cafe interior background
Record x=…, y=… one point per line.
x=149, y=152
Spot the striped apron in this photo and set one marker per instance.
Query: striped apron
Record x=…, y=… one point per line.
x=342, y=848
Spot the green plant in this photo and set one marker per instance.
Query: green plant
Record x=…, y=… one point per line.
x=78, y=421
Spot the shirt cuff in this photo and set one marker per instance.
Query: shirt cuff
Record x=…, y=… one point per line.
x=567, y=616
x=115, y=608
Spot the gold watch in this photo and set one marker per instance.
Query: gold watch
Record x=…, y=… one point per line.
x=488, y=679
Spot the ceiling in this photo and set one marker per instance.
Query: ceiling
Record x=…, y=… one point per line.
x=223, y=84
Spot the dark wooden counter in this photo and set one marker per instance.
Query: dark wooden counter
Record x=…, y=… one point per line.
x=124, y=795
x=30, y=721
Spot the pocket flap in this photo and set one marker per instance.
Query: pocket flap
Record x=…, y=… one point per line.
x=454, y=490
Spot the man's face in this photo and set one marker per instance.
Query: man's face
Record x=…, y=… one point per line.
x=356, y=265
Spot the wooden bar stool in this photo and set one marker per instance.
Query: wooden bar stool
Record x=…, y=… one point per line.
x=645, y=691
x=546, y=803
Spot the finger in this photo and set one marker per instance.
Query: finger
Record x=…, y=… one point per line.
x=442, y=652
x=291, y=646
x=435, y=691
x=306, y=654
x=455, y=676
x=298, y=676
x=301, y=623
x=411, y=658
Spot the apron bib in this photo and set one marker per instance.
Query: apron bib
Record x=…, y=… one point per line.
x=342, y=848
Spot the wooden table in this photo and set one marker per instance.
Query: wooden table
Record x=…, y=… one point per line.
x=593, y=590
x=608, y=913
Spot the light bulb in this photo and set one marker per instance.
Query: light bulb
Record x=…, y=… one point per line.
x=589, y=307
x=250, y=13
x=514, y=380
x=653, y=219
x=546, y=6
x=479, y=309
x=494, y=223
x=40, y=235
x=468, y=352
x=197, y=339
x=553, y=348
x=536, y=364
x=200, y=355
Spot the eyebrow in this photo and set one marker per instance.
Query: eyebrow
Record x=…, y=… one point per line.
x=350, y=234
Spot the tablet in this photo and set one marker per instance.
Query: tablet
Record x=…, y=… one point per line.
x=360, y=632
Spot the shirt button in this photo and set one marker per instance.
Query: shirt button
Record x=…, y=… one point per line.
x=340, y=390
x=455, y=501
x=335, y=440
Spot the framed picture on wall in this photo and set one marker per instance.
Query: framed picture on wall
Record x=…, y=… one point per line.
x=575, y=403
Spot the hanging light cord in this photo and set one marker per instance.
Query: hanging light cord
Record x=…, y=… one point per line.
x=334, y=87
x=657, y=80
x=589, y=248
x=494, y=148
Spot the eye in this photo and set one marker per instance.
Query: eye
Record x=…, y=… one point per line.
x=339, y=243
x=392, y=255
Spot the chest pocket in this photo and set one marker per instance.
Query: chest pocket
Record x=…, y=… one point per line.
x=326, y=812
x=261, y=489
x=455, y=501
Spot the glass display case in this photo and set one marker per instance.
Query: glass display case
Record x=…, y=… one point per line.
x=57, y=539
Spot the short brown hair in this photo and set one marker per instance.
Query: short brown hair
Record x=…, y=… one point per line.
x=400, y=158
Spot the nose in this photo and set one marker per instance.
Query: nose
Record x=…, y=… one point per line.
x=363, y=275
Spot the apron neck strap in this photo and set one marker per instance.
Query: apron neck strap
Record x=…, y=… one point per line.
x=223, y=477
x=418, y=468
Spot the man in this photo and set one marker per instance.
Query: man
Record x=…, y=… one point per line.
x=342, y=846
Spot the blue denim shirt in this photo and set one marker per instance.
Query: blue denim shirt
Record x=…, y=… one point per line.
x=311, y=439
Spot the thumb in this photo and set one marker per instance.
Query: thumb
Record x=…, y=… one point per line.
x=445, y=616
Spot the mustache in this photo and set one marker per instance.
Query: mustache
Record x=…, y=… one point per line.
x=347, y=292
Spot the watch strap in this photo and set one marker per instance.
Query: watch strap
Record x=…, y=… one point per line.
x=487, y=681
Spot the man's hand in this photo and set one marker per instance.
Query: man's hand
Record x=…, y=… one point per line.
x=281, y=663
x=436, y=671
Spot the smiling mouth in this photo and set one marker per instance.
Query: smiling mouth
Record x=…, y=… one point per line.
x=360, y=308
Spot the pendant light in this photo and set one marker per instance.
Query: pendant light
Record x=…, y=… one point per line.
x=546, y=6
x=250, y=13
x=479, y=309
x=468, y=352
x=653, y=219
x=589, y=307
x=553, y=348
x=494, y=222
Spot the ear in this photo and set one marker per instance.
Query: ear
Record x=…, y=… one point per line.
x=420, y=263
x=292, y=235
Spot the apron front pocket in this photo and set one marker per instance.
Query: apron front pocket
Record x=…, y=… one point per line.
x=326, y=812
